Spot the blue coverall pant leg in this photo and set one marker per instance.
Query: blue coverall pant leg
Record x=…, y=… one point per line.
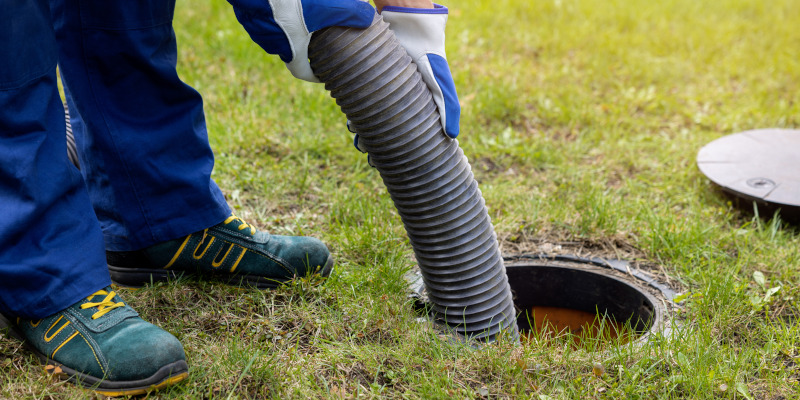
x=141, y=136
x=140, y=131
x=51, y=247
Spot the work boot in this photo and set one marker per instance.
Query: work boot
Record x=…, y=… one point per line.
x=101, y=343
x=232, y=251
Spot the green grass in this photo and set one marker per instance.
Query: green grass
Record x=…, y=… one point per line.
x=582, y=120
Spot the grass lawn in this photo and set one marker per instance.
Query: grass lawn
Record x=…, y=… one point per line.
x=582, y=120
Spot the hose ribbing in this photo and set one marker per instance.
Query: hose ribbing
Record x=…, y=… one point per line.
x=72, y=149
x=426, y=173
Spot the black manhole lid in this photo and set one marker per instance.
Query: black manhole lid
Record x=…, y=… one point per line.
x=760, y=165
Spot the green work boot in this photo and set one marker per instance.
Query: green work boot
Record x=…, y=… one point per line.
x=233, y=251
x=102, y=344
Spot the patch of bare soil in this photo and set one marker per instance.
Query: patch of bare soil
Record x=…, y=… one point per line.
x=609, y=247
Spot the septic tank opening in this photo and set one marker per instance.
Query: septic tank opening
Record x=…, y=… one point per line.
x=582, y=300
x=585, y=300
x=583, y=329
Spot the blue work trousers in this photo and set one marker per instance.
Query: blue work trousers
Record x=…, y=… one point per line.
x=141, y=136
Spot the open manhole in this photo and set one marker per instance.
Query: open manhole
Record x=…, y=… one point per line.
x=583, y=299
x=588, y=299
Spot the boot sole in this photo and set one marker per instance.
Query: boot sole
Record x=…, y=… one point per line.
x=167, y=375
x=139, y=277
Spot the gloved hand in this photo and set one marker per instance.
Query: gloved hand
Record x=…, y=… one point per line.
x=284, y=27
x=421, y=32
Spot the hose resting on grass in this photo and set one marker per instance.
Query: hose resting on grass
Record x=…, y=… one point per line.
x=426, y=173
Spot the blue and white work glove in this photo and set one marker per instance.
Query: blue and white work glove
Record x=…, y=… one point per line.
x=421, y=32
x=284, y=27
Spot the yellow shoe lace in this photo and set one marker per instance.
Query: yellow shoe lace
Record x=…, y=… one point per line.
x=242, y=225
x=104, y=306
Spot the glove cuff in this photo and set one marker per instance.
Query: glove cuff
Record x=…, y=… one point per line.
x=437, y=9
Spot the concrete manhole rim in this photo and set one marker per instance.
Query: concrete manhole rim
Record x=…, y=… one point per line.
x=659, y=294
x=623, y=268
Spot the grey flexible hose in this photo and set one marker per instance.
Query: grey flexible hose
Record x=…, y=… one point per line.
x=426, y=173
x=72, y=150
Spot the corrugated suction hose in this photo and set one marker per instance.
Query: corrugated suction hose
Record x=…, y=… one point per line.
x=428, y=177
x=72, y=149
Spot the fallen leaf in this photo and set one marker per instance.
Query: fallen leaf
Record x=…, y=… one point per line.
x=53, y=369
x=336, y=390
x=598, y=369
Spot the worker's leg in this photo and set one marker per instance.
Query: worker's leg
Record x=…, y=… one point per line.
x=144, y=151
x=51, y=249
x=54, y=291
x=140, y=130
